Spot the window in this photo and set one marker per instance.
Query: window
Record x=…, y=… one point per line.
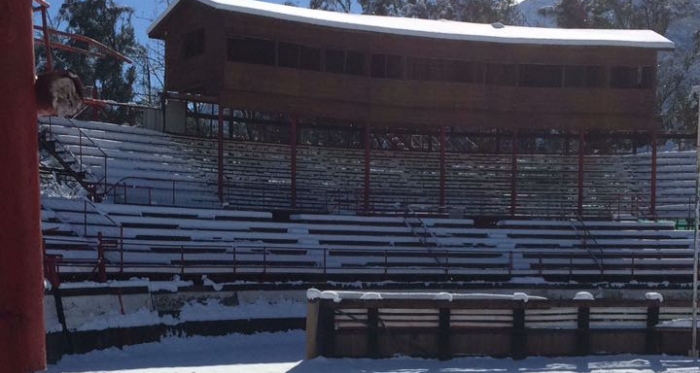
x=355, y=63
x=386, y=66
x=648, y=77
x=584, y=77
x=623, y=77
x=193, y=43
x=596, y=76
x=469, y=72
x=288, y=55
x=501, y=74
x=378, y=66
x=310, y=58
x=394, y=67
x=335, y=61
x=540, y=76
x=249, y=50
x=442, y=70
x=417, y=68
x=575, y=76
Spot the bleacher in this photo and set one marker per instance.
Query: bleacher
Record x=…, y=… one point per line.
x=165, y=241
x=675, y=182
x=148, y=167
x=156, y=217
x=131, y=165
x=332, y=179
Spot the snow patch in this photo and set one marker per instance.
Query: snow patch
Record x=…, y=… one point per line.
x=371, y=296
x=443, y=296
x=583, y=295
x=654, y=296
x=207, y=282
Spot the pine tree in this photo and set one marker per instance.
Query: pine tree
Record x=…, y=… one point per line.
x=573, y=14
x=674, y=68
x=109, y=24
x=342, y=6
x=482, y=11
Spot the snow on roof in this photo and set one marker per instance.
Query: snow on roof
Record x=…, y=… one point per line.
x=439, y=29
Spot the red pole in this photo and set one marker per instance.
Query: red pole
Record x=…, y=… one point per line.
x=220, y=157
x=22, y=336
x=95, y=117
x=514, y=174
x=443, y=143
x=101, y=270
x=367, y=159
x=293, y=157
x=581, y=150
x=652, y=197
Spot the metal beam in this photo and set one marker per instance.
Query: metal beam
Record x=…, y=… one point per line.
x=652, y=197
x=514, y=174
x=368, y=147
x=293, y=157
x=581, y=151
x=443, y=168
x=220, y=157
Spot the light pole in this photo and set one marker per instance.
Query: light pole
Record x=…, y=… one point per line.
x=694, y=328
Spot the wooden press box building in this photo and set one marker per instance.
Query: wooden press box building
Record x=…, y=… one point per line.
x=408, y=72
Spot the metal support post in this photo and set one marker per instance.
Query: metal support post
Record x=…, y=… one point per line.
x=22, y=335
x=220, y=157
x=652, y=196
x=368, y=147
x=293, y=157
x=581, y=151
x=443, y=168
x=514, y=174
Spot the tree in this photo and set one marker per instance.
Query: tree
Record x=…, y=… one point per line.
x=482, y=11
x=109, y=24
x=674, y=69
x=342, y=6
x=573, y=14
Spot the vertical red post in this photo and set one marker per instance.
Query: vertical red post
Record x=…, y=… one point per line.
x=514, y=174
x=443, y=168
x=367, y=165
x=101, y=269
x=652, y=197
x=22, y=338
x=95, y=117
x=293, y=158
x=581, y=155
x=220, y=157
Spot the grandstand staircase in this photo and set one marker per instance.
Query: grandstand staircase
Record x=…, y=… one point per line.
x=586, y=236
x=423, y=233
x=69, y=164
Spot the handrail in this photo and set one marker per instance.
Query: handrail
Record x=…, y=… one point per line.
x=315, y=262
x=104, y=51
x=121, y=181
x=94, y=144
x=587, y=233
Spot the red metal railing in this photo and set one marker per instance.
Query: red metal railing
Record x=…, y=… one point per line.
x=83, y=138
x=266, y=262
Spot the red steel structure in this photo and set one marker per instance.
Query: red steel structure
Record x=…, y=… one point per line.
x=22, y=338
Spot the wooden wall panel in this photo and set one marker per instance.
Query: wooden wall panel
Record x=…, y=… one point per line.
x=399, y=102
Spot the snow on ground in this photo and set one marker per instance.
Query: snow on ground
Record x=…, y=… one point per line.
x=284, y=352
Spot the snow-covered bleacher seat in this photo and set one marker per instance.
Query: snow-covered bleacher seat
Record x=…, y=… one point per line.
x=150, y=240
x=133, y=165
